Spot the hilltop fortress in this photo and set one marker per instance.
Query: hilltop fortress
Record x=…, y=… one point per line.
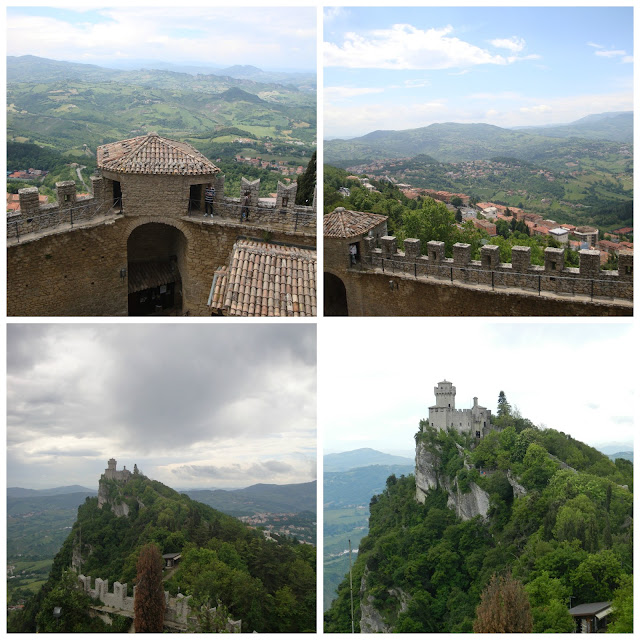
x=141, y=244
x=365, y=274
x=444, y=415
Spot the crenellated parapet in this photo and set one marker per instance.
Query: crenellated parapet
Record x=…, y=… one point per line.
x=554, y=277
x=157, y=196
x=177, y=609
x=69, y=209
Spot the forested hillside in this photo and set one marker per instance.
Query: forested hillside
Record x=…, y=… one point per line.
x=269, y=585
x=559, y=522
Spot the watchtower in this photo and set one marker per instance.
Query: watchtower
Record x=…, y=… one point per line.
x=445, y=395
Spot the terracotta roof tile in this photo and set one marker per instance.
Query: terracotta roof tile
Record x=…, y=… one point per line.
x=265, y=279
x=342, y=223
x=152, y=154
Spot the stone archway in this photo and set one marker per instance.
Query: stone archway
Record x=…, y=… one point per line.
x=156, y=263
x=335, y=296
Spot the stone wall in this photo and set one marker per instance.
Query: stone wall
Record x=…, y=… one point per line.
x=389, y=282
x=177, y=609
x=55, y=269
x=370, y=294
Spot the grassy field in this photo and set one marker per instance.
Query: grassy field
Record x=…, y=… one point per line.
x=340, y=526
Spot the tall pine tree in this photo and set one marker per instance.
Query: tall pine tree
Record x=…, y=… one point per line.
x=307, y=183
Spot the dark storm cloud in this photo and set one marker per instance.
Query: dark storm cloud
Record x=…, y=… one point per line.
x=258, y=470
x=158, y=390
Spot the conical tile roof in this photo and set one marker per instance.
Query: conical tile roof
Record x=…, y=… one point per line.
x=153, y=154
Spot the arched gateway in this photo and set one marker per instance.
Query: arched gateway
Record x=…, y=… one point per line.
x=160, y=181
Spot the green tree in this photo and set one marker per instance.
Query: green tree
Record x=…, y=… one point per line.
x=504, y=408
x=504, y=607
x=149, y=602
x=622, y=604
x=307, y=183
x=549, y=598
x=69, y=603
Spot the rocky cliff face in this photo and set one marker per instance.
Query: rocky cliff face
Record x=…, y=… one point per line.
x=371, y=621
x=119, y=507
x=466, y=505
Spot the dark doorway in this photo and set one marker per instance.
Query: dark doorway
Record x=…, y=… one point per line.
x=156, y=256
x=117, y=195
x=195, y=198
x=153, y=302
x=335, y=296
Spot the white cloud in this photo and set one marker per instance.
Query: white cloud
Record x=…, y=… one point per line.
x=196, y=34
x=406, y=47
x=597, y=46
x=627, y=59
x=507, y=109
x=540, y=108
x=513, y=43
x=332, y=13
x=343, y=93
x=611, y=53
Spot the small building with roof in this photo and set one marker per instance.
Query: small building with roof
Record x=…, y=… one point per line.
x=344, y=231
x=591, y=617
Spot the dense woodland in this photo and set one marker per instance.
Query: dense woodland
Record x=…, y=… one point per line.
x=568, y=541
x=270, y=586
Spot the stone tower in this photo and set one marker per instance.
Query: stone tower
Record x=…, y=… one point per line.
x=445, y=395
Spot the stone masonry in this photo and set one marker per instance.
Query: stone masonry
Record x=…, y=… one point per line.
x=422, y=281
x=177, y=610
x=71, y=258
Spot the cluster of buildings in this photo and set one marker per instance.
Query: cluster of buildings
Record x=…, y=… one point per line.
x=575, y=237
x=29, y=174
x=275, y=165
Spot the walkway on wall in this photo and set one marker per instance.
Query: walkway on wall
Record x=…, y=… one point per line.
x=105, y=217
x=536, y=293
x=171, y=626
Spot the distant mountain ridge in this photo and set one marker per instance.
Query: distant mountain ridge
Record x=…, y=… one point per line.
x=456, y=142
x=19, y=492
x=361, y=458
x=268, y=498
x=615, y=126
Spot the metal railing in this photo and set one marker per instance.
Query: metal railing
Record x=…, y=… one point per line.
x=478, y=276
x=253, y=213
x=83, y=212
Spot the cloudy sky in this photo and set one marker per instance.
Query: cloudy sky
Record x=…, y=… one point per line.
x=400, y=68
x=274, y=38
x=377, y=383
x=203, y=405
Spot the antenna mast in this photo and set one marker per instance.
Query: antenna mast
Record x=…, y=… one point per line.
x=351, y=588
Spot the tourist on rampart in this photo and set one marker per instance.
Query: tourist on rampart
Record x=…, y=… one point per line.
x=209, y=195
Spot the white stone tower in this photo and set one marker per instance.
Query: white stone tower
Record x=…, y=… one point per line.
x=445, y=395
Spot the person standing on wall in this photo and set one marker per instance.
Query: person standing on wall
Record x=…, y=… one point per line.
x=209, y=195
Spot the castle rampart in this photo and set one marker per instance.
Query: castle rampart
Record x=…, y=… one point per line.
x=587, y=280
x=141, y=244
x=177, y=610
x=156, y=197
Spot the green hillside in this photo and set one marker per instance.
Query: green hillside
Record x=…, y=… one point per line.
x=73, y=107
x=560, y=520
x=269, y=585
x=455, y=142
